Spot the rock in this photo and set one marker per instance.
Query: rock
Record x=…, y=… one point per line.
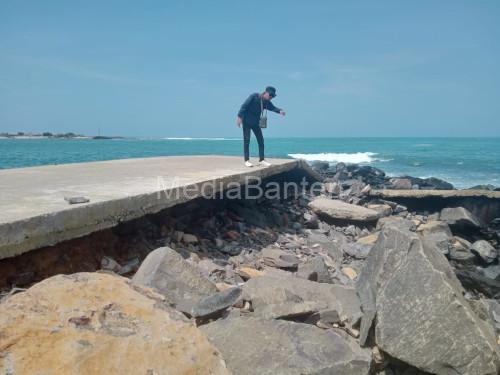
x=491, y=272
x=460, y=250
x=276, y=347
x=274, y=292
x=249, y=272
x=350, y=272
x=459, y=218
x=333, y=188
x=324, y=319
x=357, y=250
x=331, y=245
x=189, y=238
x=434, y=226
x=420, y=309
x=76, y=200
x=175, y=278
x=382, y=209
x=108, y=263
x=400, y=183
x=431, y=183
x=484, y=250
x=97, y=323
x=311, y=220
x=314, y=269
x=394, y=221
x=337, y=211
x=369, y=239
x=440, y=241
x=276, y=257
x=131, y=266
x=400, y=208
x=215, y=304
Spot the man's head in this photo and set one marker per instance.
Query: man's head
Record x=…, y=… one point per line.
x=269, y=93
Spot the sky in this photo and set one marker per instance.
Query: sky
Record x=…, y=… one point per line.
x=183, y=68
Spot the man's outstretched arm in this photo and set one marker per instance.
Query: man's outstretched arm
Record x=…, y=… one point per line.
x=271, y=107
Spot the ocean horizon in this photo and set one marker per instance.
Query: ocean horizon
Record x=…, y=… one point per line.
x=462, y=161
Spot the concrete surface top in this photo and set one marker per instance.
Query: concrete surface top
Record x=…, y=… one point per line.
x=390, y=193
x=34, y=213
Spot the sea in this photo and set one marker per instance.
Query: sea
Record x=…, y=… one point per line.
x=464, y=162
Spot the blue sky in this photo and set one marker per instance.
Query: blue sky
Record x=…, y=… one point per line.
x=183, y=68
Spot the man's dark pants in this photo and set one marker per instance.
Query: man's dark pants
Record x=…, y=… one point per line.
x=246, y=140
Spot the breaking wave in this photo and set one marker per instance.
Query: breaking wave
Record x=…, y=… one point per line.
x=358, y=157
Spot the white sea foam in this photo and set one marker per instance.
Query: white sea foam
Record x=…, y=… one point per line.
x=199, y=139
x=358, y=157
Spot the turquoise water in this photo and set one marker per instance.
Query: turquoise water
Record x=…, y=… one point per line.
x=462, y=161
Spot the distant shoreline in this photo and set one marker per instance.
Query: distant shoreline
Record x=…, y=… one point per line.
x=55, y=136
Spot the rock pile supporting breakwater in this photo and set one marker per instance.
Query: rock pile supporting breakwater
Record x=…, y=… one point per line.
x=337, y=282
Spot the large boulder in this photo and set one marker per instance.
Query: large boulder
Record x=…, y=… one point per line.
x=257, y=346
x=168, y=272
x=96, y=323
x=459, y=218
x=336, y=211
x=410, y=293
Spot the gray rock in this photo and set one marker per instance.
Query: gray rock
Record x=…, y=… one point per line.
x=400, y=183
x=173, y=276
x=459, y=218
x=440, y=240
x=324, y=318
x=276, y=257
x=460, y=250
x=422, y=317
x=314, y=269
x=311, y=220
x=276, y=347
x=394, y=221
x=434, y=226
x=357, y=250
x=215, y=304
x=337, y=211
x=331, y=245
x=484, y=250
x=76, y=200
x=271, y=291
x=491, y=272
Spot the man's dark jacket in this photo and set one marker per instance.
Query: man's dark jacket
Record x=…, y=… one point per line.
x=250, y=110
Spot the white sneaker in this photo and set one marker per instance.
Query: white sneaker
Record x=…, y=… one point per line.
x=265, y=163
x=248, y=164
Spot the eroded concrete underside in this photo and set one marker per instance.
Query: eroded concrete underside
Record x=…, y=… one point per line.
x=34, y=212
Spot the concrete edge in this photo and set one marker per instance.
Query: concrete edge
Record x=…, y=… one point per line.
x=46, y=230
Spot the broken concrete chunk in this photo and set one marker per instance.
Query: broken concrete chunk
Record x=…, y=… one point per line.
x=76, y=200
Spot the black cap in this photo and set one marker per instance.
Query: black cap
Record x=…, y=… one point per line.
x=271, y=90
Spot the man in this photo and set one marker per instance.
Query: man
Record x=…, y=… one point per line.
x=249, y=116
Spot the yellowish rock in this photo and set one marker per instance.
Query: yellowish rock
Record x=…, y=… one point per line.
x=223, y=286
x=368, y=240
x=96, y=323
x=249, y=272
x=350, y=272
